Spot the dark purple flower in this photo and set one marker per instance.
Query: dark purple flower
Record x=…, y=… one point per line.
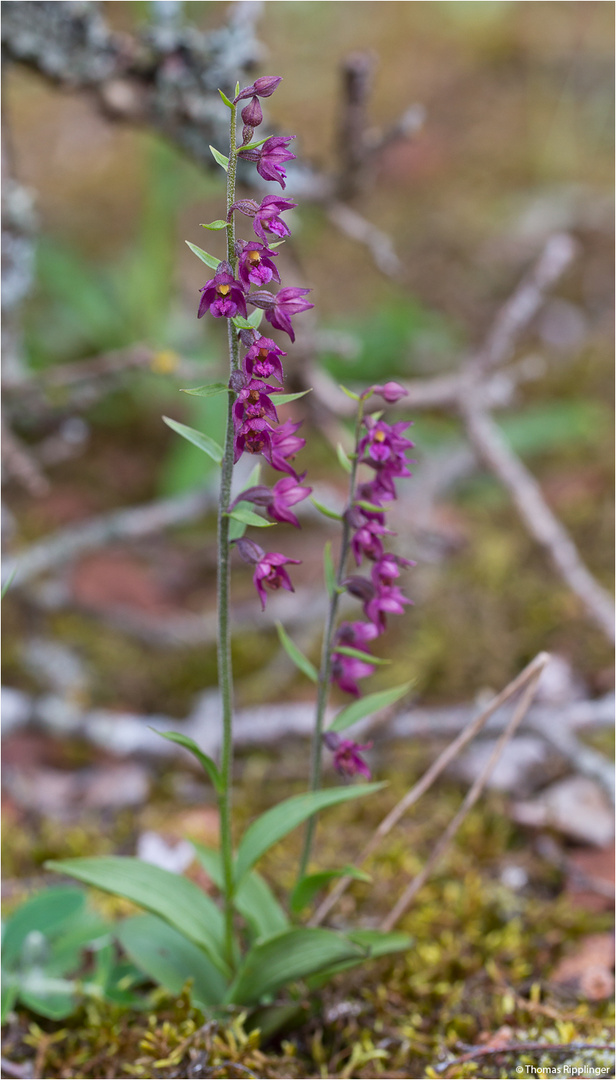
x=254, y=437
x=390, y=391
x=252, y=114
x=387, y=569
x=286, y=493
x=266, y=218
x=367, y=540
x=270, y=573
x=347, y=757
x=262, y=360
x=356, y=634
x=253, y=402
x=255, y=265
x=264, y=86
x=223, y=296
x=346, y=670
x=387, y=600
x=287, y=302
x=270, y=157
x=383, y=442
x=284, y=445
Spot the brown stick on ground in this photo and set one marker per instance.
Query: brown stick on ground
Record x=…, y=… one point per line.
x=471, y=798
x=530, y=673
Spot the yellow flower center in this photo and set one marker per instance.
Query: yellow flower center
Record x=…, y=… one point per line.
x=222, y=290
x=254, y=257
x=379, y=436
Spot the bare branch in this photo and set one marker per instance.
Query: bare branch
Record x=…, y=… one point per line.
x=358, y=228
x=537, y=516
x=530, y=673
x=20, y=464
x=473, y=794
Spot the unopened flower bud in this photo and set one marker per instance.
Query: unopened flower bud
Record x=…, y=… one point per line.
x=264, y=86
x=252, y=114
x=391, y=392
x=237, y=381
x=354, y=517
x=360, y=587
x=249, y=551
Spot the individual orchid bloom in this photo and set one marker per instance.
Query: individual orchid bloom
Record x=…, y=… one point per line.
x=346, y=670
x=387, y=569
x=255, y=266
x=270, y=573
x=253, y=402
x=347, y=755
x=284, y=445
x=287, y=302
x=382, y=441
x=387, y=600
x=367, y=540
x=390, y=392
x=356, y=634
x=222, y=296
x=266, y=218
x=262, y=361
x=254, y=437
x=285, y=493
x=263, y=87
x=270, y=157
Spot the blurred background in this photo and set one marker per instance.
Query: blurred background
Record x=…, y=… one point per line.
x=440, y=146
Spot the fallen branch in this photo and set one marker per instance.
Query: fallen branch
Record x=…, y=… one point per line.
x=536, y=514
x=529, y=674
x=473, y=794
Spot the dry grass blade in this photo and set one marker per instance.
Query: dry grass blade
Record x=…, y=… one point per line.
x=471, y=798
x=529, y=673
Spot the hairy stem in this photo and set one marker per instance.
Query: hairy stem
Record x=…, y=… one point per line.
x=225, y=671
x=326, y=655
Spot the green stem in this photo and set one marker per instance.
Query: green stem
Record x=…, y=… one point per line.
x=326, y=656
x=225, y=671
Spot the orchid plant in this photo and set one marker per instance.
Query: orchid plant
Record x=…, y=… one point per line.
x=249, y=947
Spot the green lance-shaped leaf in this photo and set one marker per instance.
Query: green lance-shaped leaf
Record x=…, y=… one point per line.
x=275, y=823
x=329, y=570
x=285, y=399
x=307, y=887
x=376, y=944
x=287, y=957
x=350, y=393
x=197, y=438
x=325, y=510
x=241, y=323
x=255, y=316
x=175, y=899
x=170, y=958
x=224, y=97
x=209, y=390
x=367, y=705
x=296, y=655
x=348, y=650
x=206, y=763
x=220, y=158
x=215, y=226
x=209, y=260
x=248, y=517
x=344, y=458
x=374, y=508
x=45, y=914
x=253, y=145
x=254, y=899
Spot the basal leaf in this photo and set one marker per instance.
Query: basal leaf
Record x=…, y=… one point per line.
x=45, y=913
x=296, y=655
x=175, y=899
x=209, y=260
x=170, y=958
x=209, y=766
x=307, y=887
x=254, y=899
x=197, y=438
x=376, y=944
x=287, y=957
x=367, y=705
x=275, y=823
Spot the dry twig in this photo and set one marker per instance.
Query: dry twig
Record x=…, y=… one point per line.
x=530, y=674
